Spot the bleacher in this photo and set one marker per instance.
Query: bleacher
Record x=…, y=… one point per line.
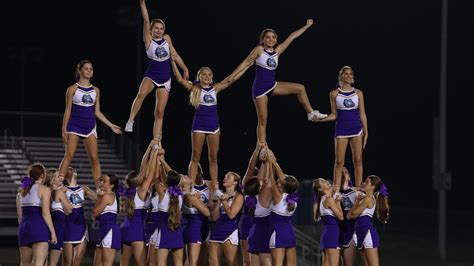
x=17, y=153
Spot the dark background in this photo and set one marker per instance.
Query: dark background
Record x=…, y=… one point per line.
x=393, y=47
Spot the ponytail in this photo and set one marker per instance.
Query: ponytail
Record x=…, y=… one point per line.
x=117, y=188
x=35, y=171
x=250, y=205
x=291, y=199
x=174, y=218
x=195, y=95
x=383, y=208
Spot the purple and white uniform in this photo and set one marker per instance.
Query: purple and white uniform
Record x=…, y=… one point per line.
x=75, y=231
x=244, y=223
x=133, y=228
x=82, y=121
x=348, y=235
x=195, y=225
x=367, y=236
x=283, y=235
x=159, y=69
x=260, y=230
x=348, y=123
x=330, y=233
x=225, y=229
x=167, y=238
x=59, y=222
x=265, y=74
x=153, y=220
x=108, y=229
x=206, y=119
x=33, y=228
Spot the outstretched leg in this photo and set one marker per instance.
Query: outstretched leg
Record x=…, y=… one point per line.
x=287, y=88
x=145, y=88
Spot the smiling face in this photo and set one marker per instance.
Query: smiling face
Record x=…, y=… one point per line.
x=157, y=29
x=269, y=38
x=346, y=75
x=205, y=76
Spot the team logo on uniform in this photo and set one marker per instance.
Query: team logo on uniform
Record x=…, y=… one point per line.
x=346, y=203
x=204, y=198
x=271, y=62
x=75, y=199
x=161, y=52
x=348, y=103
x=87, y=99
x=208, y=98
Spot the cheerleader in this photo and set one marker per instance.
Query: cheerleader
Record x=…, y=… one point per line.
x=245, y=222
x=60, y=208
x=374, y=200
x=79, y=121
x=159, y=49
x=75, y=230
x=105, y=211
x=348, y=109
x=224, y=234
x=195, y=212
x=34, y=218
x=170, y=232
x=258, y=199
x=330, y=212
x=265, y=57
x=132, y=229
x=203, y=97
x=348, y=236
x=284, y=202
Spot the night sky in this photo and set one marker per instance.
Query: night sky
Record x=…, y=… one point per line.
x=393, y=47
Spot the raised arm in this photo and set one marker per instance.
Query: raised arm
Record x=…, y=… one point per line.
x=146, y=24
x=265, y=194
x=188, y=85
x=363, y=116
x=251, y=165
x=175, y=57
x=279, y=172
x=248, y=62
x=149, y=173
x=333, y=115
x=282, y=46
x=116, y=129
x=67, y=110
x=276, y=193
